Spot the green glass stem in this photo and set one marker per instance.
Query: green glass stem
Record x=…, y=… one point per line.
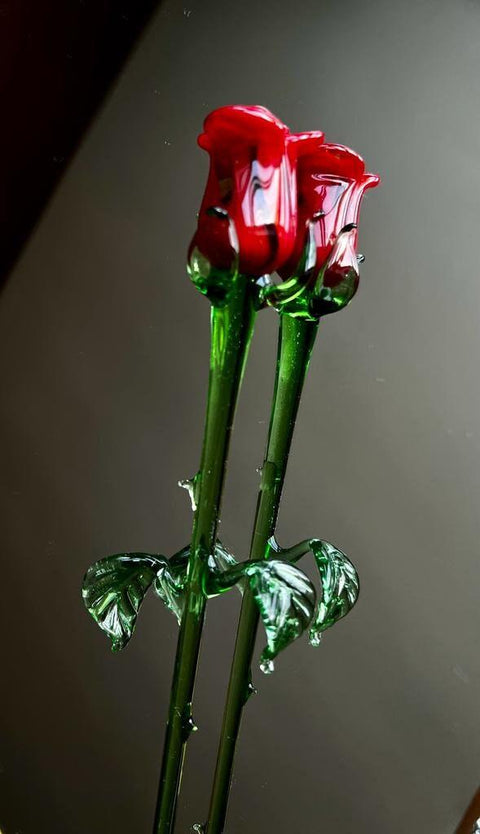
x=232, y=327
x=296, y=340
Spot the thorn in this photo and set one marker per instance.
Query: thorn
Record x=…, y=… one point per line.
x=189, y=484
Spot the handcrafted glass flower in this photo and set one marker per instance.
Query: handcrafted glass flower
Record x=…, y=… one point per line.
x=321, y=276
x=274, y=202
x=248, y=215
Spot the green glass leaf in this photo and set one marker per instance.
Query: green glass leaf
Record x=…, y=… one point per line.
x=286, y=601
x=113, y=590
x=219, y=563
x=171, y=580
x=340, y=587
x=338, y=577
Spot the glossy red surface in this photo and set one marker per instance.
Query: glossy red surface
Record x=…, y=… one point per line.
x=331, y=182
x=342, y=262
x=252, y=177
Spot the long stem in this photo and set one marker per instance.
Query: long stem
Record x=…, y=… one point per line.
x=232, y=327
x=295, y=344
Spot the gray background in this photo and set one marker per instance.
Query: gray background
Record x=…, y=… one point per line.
x=104, y=352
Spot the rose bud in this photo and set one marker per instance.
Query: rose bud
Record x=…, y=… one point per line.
x=250, y=201
x=331, y=182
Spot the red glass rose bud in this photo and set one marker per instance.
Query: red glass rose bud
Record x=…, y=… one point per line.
x=252, y=182
x=331, y=182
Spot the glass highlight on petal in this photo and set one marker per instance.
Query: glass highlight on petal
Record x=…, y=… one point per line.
x=252, y=177
x=331, y=182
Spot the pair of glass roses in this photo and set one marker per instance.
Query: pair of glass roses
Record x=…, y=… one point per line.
x=279, y=202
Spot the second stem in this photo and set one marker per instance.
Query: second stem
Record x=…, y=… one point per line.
x=296, y=340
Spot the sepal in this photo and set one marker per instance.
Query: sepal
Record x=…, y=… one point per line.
x=338, y=280
x=212, y=281
x=292, y=297
x=312, y=292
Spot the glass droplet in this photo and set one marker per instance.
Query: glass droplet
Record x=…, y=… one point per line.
x=315, y=638
x=267, y=666
x=188, y=724
x=251, y=690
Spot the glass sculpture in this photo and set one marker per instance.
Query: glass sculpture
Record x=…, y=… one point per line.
x=277, y=228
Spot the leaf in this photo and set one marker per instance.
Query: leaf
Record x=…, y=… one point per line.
x=113, y=590
x=286, y=600
x=340, y=587
x=171, y=580
x=221, y=564
x=221, y=559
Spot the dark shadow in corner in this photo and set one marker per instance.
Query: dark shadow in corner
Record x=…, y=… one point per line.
x=58, y=59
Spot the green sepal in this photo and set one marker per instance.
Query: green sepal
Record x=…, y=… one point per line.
x=113, y=590
x=211, y=281
x=304, y=295
x=292, y=297
x=214, y=282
